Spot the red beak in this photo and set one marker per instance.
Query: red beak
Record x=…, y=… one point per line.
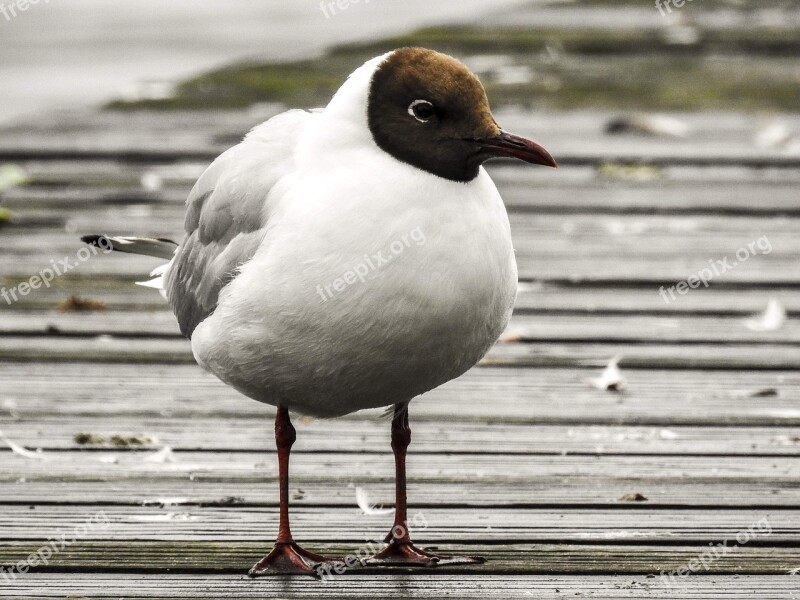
x=508, y=144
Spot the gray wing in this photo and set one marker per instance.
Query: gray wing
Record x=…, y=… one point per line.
x=226, y=217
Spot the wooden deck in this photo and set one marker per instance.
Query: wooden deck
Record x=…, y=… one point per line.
x=570, y=491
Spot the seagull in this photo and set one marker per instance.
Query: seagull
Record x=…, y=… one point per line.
x=350, y=258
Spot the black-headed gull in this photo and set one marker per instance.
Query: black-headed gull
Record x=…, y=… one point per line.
x=349, y=258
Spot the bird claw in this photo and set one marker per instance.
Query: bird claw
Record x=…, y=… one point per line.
x=288, y=558
x=406, y=554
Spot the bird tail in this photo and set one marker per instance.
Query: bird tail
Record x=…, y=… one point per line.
x=156, y=247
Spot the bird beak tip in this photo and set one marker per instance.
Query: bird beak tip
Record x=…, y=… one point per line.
x=509, y=145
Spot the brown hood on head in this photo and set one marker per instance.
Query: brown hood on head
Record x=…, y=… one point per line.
x=428, y=110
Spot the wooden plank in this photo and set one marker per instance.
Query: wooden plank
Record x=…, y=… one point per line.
x=555, y=396
x=523, y=327
x=532, y=328
x=539, y=492
x=435, y=525
x=672, y=192
x=644, y=356
x=346, y=468
x=729, y=356
x=368, y=435
x=238, y=557
x=401, y=587
x=734, y=301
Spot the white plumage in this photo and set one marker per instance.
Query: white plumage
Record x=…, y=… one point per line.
x=424, y=317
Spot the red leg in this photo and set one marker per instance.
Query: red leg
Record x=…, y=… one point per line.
x=401, y=551
x=286, y=557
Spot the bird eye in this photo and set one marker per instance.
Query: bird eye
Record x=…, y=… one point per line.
x=422, y=110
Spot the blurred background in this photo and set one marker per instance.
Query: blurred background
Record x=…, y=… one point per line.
x=710, y=54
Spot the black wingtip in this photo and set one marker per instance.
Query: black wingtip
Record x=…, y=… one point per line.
x=91, y=239
x=98, y=241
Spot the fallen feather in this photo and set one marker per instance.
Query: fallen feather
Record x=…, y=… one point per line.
x=165, y=455
x=774, y=135
x=366, y=507
x=20, y=450
x=167, y=517
x=164, y=502
x=611, y=378
x=772, y=319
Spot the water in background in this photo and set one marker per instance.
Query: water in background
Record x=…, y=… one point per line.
x=77, y=52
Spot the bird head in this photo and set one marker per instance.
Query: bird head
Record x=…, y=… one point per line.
x=429, y=110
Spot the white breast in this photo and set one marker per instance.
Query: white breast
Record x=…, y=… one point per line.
x=299, y=327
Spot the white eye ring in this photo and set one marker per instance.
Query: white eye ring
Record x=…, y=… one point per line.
x=413, y=112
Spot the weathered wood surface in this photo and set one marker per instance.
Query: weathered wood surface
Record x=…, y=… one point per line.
x=350, y=468
x=445, y=524
x=403, y=586
x=524, y=396
x=233, y=557
x=248, y=433
x=602, y=490
x=569, y=490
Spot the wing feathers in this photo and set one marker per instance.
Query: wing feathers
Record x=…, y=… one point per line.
x=227, y=214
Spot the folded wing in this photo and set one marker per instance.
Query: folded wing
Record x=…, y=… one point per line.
x=227, y=214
